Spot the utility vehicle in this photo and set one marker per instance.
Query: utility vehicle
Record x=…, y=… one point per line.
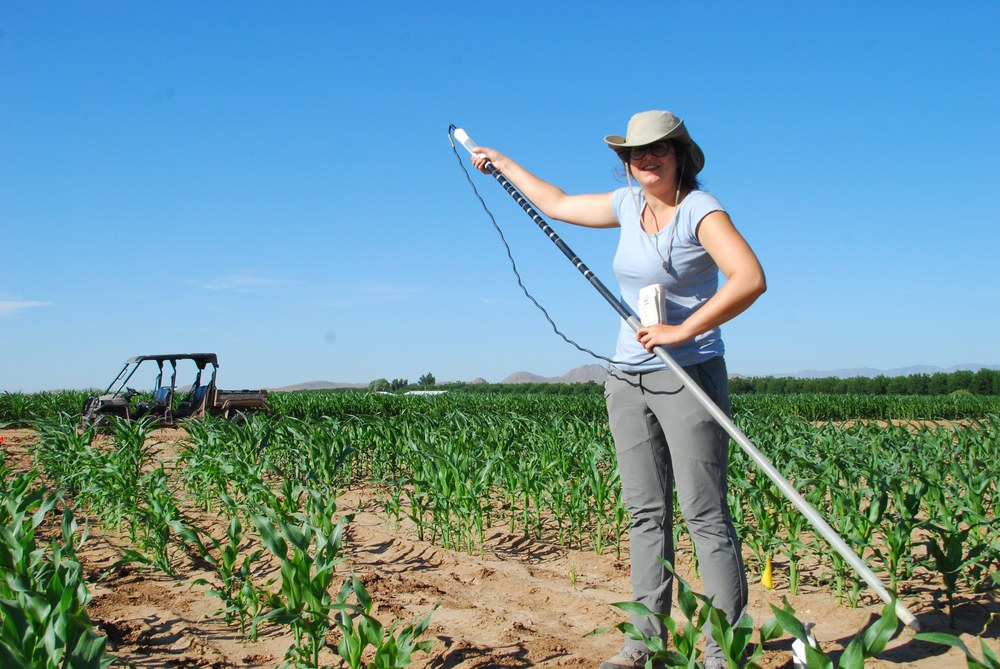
x=168, y=402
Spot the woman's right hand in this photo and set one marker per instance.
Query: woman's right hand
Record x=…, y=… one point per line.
x=483, y=155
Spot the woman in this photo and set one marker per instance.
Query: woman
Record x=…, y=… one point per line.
x=680, y=237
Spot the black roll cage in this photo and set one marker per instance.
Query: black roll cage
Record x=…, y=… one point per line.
x=201, y=361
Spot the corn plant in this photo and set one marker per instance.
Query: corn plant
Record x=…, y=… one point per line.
x=620, y=520
x=418, y=498
x=860, y=511
x=16, y=407
x=562, y=496
x=700, y=616
x=989, y=659
x=897, y=535
x=111, y=480
x=207, y=465
x=360, y=630
x=452, y=465
x=449, y=491
x=762, y=537
x=390, y=496
x=152, y=525
x=317, y=451
x=474, y=504
x=220, y=458
x=43, y=591
x=307, y=571
x=867, y=643
x=600, y=482
x=735, y=640
x=951, y=556
x=64, y=453
x=241, y=597
x=111, y=483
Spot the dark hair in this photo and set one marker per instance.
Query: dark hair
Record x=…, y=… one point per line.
x=688, y=173
x=685, y=167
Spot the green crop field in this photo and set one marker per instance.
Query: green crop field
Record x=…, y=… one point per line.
x=910, y=482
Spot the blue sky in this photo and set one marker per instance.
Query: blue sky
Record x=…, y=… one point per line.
x=273, y=182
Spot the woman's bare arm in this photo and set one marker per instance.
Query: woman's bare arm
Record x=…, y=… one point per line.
x=590, y=210
x=745, y=282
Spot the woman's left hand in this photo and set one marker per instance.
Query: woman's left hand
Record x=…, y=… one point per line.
x=660, y=334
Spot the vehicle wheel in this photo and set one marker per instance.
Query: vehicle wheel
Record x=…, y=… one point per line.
x=239, y=417
x=99, y=423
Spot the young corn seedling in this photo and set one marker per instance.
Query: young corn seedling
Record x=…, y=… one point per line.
x=152, y=525
x=319, y=452
x=600, y=480
x=619, y=514
x=684, y=639
x=792, y=546
x=735, y=640
x=764, y=538
x=242, y=599
x=866, y=644
x=896, y=545
x=419, y=503
x=989, y=659
x=43, y=593
x=844, y=509
x=221, y=457
x=860, y=524
x=391, y=497
x=304, y=602
x=206, y=466
x=701, y=617
x=474, y=512
x=509, y=476
x=946, y=549
x=360, y=630
x=110, y=481
x=63, y=452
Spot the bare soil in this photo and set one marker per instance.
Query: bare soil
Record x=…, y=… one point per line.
x=523, y=602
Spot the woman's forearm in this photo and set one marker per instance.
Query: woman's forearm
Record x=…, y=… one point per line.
x=590, y=210
x=544, y=195
x=732, y=299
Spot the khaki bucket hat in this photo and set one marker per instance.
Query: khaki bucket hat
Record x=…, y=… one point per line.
x=652, y=126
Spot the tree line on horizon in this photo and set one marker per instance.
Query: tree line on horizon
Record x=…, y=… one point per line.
x=984, y=382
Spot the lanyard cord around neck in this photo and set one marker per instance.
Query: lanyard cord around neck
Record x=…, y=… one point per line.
x=654, y=238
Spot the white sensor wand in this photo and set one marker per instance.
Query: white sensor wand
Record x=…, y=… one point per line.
x=466, y=141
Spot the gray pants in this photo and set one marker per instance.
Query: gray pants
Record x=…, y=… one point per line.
x=664, y=437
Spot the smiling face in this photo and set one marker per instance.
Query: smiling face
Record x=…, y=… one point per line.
x=654, y=166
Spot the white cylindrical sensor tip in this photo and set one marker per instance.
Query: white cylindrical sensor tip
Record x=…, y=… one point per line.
x=464, y=139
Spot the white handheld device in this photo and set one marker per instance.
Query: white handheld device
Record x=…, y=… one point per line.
x=652, y=305
x=466, y=141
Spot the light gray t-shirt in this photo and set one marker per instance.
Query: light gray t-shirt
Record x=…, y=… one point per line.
x=692, y=280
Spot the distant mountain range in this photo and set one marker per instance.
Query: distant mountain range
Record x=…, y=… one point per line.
x=598, y=374
x=583, y=374
x=898, y=371
x=319, y=385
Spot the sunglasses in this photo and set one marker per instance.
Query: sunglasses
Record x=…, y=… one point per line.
x=659, y=149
